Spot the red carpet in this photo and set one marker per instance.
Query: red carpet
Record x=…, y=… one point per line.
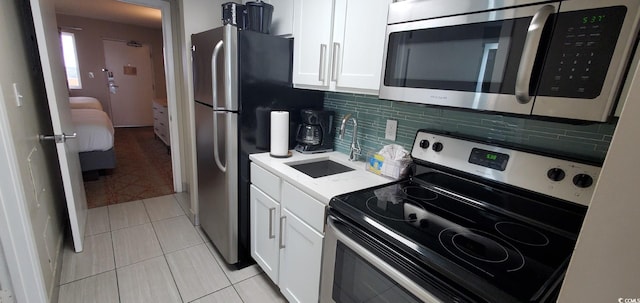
x=143, y=170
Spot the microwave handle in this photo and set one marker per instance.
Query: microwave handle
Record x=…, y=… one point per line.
x=531, y=43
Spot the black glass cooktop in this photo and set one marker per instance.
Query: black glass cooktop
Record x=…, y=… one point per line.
x=487, y=240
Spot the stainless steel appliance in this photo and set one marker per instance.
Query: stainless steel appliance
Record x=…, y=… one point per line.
x=315, y=132
x=562, y=59
x=476, y=223
x=236, y=75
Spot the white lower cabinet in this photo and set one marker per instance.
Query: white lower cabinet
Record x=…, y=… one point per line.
x=161, y=120
x=286, y=235
x=265, y=249
x=300, y=260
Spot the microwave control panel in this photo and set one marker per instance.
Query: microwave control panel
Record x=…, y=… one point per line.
x=580, y=52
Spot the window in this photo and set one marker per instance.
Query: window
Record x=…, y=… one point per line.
x=71, y=60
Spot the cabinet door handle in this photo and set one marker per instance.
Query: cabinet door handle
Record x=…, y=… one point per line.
x=335, y=60
x=272, y=234
x=323, y=52
x=282, y=222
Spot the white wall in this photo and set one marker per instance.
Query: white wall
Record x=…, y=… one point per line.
x=40, y=191
x=606, y=263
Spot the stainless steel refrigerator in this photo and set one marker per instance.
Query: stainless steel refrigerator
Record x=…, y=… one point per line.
x=239, y=77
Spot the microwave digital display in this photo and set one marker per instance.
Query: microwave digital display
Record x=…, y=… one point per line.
x=593, y=19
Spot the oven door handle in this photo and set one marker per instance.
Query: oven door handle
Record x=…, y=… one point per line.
x=381, y=265
x=531, y=43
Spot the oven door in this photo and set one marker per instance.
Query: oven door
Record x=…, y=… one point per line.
x=354, y=271
x=482, y=61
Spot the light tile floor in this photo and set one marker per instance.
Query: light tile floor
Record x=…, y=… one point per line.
x=148, y=251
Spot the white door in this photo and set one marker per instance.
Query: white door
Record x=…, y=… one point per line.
x=358, y=42
x=300, y=260
x=44, y=19
x=130, y=81
x=265, y=249
x=311, y=50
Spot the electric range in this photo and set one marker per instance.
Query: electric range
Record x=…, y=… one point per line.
x=476, y=223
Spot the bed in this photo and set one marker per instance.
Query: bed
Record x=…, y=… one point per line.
x=85, y=103
x=95, y=139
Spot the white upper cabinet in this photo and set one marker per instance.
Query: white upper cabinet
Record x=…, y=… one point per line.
x=312, y=25
x=339, y=44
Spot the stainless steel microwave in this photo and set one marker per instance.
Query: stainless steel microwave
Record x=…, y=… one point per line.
x=564, y=59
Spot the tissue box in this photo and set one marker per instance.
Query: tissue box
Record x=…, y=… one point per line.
x=394, y=169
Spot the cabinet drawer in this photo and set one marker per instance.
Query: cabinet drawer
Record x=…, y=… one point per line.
x=308, y=209
x=266, y=181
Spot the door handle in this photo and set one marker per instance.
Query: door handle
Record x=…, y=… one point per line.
x=531, y=43
x=58, y=138
x=281, y=240
x=216, y=153
x=214, y=68
x=272, y=234
x=334, y=65
x=323, y=52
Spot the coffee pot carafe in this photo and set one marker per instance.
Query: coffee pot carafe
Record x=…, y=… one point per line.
x=315, y=132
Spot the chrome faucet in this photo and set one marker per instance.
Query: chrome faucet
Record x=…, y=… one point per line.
x=355, y=145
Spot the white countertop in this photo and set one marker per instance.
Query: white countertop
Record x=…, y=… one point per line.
x=322, y=188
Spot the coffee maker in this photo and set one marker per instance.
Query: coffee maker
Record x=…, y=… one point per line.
x=315, y=132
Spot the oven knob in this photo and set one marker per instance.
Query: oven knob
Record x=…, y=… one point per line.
x=437, y=146
x=555, y=174
x=424, y=143
x=582, y=180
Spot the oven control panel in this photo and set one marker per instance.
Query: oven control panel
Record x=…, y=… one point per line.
x=562, y=179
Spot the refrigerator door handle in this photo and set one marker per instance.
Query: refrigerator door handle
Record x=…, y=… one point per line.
x=214, y=80
x=216, y=153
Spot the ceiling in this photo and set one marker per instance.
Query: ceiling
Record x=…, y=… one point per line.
x=111, y=10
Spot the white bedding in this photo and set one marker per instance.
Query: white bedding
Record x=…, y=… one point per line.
x=94, y=129
x=84, y=103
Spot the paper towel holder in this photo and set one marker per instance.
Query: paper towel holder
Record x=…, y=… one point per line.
x=289, y=154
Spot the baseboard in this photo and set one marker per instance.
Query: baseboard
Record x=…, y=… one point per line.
x=54, y=292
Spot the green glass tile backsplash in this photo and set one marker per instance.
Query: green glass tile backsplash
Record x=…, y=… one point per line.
x=585, y=141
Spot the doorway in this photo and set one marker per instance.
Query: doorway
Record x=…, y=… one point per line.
x=120, y=33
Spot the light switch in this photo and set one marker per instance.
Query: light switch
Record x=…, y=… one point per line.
x=390, y=131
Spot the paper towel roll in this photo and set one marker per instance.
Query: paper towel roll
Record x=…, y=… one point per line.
x=279, y=133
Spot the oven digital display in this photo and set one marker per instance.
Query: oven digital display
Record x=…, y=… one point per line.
x=489, y=159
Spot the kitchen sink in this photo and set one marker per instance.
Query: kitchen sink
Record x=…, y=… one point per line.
x=321, y=168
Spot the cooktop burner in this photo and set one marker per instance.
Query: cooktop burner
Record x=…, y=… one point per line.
x=458, y=237
x=521, y=234
x=420, y=193
x=482, y=250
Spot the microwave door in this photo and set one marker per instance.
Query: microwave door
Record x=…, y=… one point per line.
x=469, y=61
